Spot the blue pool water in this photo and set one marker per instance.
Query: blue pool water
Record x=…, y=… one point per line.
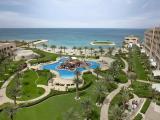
x=67, y=74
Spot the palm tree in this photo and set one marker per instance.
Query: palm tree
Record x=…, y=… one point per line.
x=91, y=49
x=87, y=109
x=71, y=114
x=95, y=53
x=80, y=48
x=53, y=47
x=44, y=46
x=74, y=48
x=100, y=92
x=125, y=96
x=64, y=48
x=77, y=81
x=11, y=111
x=85, y=49
x=101, y=50
x=97, y=71
x=132, y=76
x=117, y=113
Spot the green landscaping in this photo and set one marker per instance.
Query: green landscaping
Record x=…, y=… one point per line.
x=138, y=117
x=7, y=68
x=28, y=83
x=44, y=56
x=142, y=89
x=145, y=106
x=137, y=63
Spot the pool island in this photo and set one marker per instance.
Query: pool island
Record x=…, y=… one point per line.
x=102, y=43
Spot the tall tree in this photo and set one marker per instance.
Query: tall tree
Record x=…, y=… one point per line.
x=53, y=47
x=11, y=111
x=87, y=109
x=100, y=92
x=97, y=71
x=77, y=81
x=85, y=49
x=91, y=49
x=101, y=50
x=71, y=114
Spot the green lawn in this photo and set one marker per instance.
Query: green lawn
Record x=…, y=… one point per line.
x=44, y=76
x=137, y=65
x=44, y=56
x=138, y=117
x=29, y=89
x=54, y=107
x=141, y=89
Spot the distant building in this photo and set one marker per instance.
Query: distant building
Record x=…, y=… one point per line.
x=7, y=49
x=130, y=41
x=152, y=45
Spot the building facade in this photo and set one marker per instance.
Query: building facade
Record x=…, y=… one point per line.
x=131, y=40
x=152, y=44
x=7, y=49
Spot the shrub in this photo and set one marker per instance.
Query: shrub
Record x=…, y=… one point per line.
x=145, y=106
x=138, y=117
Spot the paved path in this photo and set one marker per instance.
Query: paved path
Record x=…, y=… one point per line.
x=5, y=99
x=108, y=99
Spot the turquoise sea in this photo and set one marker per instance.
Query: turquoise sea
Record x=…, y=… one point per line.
x=69, y=36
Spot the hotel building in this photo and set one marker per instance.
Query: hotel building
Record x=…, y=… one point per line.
x=7, y=49
x=152, y=45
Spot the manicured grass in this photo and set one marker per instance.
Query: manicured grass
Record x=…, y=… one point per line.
x=44, y=76
x=29, y=89
x=8, y=69
x=138, y=117
x=54, y=107
x=137, y=65
x=145, y=106
x=141, y=89
x=44, y=56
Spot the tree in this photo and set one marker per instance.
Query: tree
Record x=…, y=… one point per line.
x=110, y=50
x=100, y=92
x=87, y=109
x=101, y=50
x=95, y=53
x=77, y=81
x=91, y=49
x=132, y=76
x=71, y=114
x=115, y=69
x=85, y=49
x=11, y=111
x=97, y=71
x=125, y=96
x=80, y=48
x=53, y=47
x=15, y=89
x=74, y=48
x=64, y=48
x=44, y=46
x=117, y=113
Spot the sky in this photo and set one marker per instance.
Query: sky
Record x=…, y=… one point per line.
x=79, y=13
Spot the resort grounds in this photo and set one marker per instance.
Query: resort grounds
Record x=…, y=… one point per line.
x=122, y=85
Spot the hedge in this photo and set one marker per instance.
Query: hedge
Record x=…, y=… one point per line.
x=138, y=117
x=145, y=106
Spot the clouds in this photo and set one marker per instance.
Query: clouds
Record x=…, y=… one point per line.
x=79, y=13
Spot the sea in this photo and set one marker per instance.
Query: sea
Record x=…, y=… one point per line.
x=70, y=37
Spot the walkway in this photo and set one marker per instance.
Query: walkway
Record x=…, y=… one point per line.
x=108, y=99
x=5, y=99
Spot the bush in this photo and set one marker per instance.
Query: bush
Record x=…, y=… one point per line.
x=138, y=117
x=122, y=78
x=145, y=106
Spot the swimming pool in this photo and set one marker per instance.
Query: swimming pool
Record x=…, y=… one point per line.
x=68, y=74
